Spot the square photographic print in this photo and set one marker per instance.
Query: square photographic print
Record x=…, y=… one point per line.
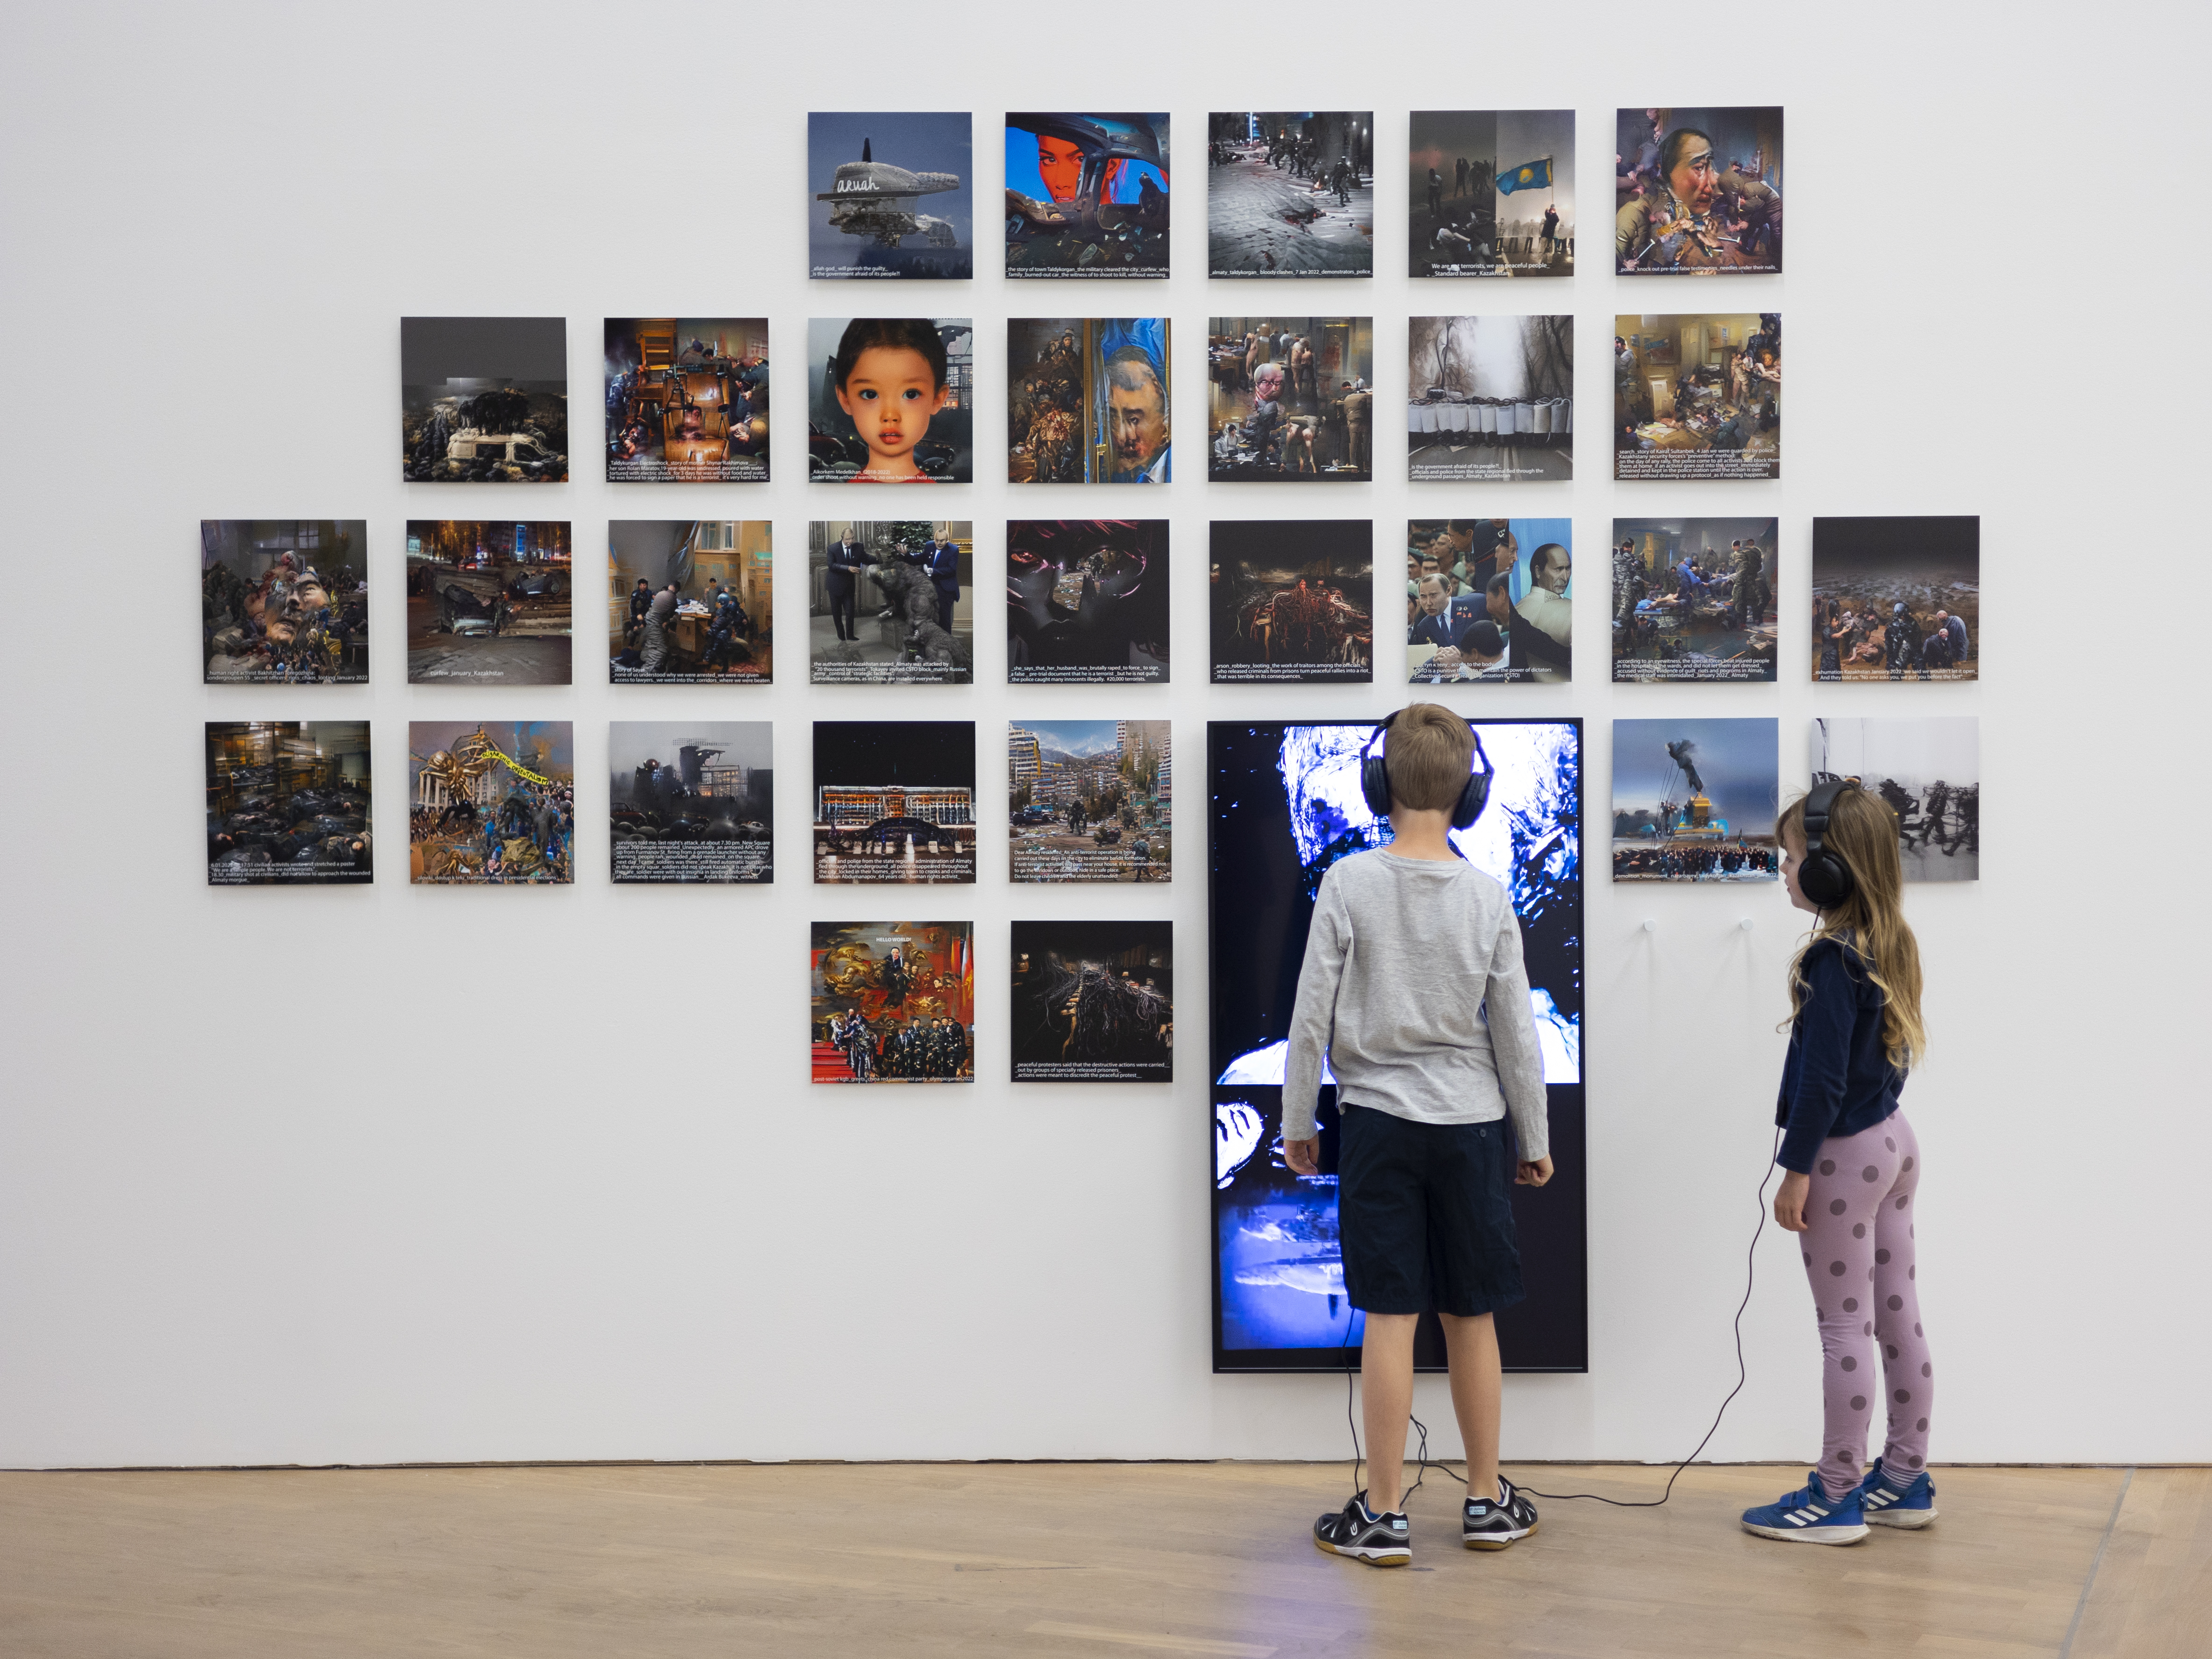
x=1087, y=601
x=687, y=400
x=1093, y=1001
x=1293, y=600
x=1489, y=600
x=484, y=399
x=1695, y=800
x=894, y=802
x=288, y=804
x=693, y=800
x=1697, y=396
x=1088, y=400
x=488, y=602
x=890, y=400
x=1090, y=800
x=694, y=602
x=892, y=601
x=1694, y=600
x=889, y=195
x=1291, y=193
x=1698, y=191
x=1289, y=399
x=491, y=804
x=1928, y=772
x=1897, y=599
x=1491, y=192
x=1491, y=399
x=1086, y=195
x=892, y=1001
x=284, y=602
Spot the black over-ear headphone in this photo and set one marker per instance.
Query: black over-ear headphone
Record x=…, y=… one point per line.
x=1823, y=877
x=1374, y=779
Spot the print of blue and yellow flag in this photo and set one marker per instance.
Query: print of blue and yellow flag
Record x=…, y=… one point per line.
x=1535, y=175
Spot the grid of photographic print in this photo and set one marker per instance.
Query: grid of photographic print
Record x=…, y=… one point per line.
x=1295, y=591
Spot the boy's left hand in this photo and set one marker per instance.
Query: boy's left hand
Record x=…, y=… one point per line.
x=1302, y=1156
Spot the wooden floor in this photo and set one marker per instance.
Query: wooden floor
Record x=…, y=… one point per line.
x=1066, y=1559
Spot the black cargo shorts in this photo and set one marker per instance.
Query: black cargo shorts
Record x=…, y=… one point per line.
x=1426, y=1215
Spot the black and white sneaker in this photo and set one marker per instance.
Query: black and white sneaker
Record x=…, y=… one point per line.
x=1497, y=1523
x=1380, y=1540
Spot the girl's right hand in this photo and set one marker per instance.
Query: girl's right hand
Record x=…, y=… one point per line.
x=1790, y=1201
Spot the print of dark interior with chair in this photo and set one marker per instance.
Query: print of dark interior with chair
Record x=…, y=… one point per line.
x=687, y=400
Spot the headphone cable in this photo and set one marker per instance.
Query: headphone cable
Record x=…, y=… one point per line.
x=1742, y=1376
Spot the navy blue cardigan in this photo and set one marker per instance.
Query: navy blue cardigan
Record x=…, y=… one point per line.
x=1836, y=1081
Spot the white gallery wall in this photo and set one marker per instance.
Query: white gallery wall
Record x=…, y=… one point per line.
x=401, y=1174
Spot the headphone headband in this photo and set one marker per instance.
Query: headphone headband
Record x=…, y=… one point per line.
x=1819, y=803
x=1375, y=777
x=1823, y=877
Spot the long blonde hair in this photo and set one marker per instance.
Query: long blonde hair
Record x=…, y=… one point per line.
x=1870, y=924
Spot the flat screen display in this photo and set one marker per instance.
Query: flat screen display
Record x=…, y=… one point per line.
x=1283, y=804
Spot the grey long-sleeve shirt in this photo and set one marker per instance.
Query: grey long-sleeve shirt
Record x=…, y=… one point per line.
x=1413, y=988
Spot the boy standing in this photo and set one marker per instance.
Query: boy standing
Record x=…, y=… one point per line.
x=1413, y=986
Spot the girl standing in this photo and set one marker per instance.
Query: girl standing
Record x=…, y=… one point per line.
x=1852, y=1167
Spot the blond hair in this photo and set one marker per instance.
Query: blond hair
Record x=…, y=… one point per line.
x=1870, y=924
x=1428, y=750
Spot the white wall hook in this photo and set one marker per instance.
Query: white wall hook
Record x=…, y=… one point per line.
x=1650, y=925
x=1745, y=924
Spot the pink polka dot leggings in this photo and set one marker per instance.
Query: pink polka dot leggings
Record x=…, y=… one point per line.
x=1858, y=1253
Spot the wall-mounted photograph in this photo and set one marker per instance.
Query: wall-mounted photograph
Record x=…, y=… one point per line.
x=890, y=400
x=1491, y=192
x=1092, y=1002
x=687, y=400
x=1490, y=399
x=1291, y=193
x=283, y=601
x=692, y=801
x=288, y=804
x=892, y=1001
x=1695, y=800
x=491, y=804
x=889, y=195
x=1087, y=400
x=484, y=399
x=1697, y=396
x=1086, y=195
x=1293, y=600
x=1291, y=399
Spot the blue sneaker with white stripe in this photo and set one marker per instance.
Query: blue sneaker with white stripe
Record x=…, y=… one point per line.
x=1889, y=1502
x=1809, y=1516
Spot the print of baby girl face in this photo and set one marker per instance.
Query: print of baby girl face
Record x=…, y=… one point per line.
x=891, y=395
